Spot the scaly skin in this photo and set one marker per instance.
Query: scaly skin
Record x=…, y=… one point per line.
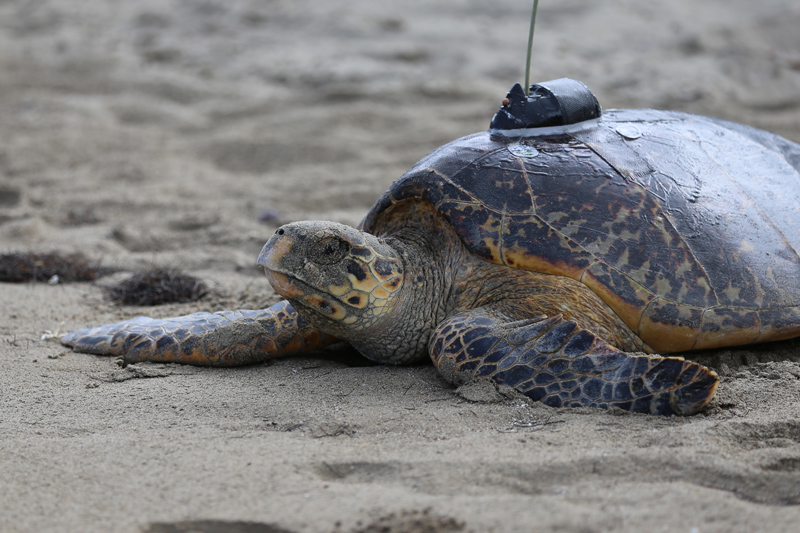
x=227, y=338
x=553, y=361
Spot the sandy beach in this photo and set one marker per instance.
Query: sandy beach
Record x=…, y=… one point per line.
x=181, y=134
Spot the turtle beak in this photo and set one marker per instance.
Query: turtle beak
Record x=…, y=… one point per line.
x=276, y=248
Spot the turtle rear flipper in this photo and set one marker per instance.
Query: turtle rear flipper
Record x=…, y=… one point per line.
x=227, y=338
x=554, y=361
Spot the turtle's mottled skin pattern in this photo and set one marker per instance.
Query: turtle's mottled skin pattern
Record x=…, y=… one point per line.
x=569, y=366
x=549, y=263
x=227, y=338
x=358, y=293
x=689, y=233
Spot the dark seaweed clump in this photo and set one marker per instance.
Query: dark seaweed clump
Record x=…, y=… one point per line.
x=18, y=267
x=158, y=287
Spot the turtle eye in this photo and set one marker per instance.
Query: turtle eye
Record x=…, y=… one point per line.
x=329, y=250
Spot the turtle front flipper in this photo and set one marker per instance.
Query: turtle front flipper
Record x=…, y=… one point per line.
x=227, y=338
x=554, y=361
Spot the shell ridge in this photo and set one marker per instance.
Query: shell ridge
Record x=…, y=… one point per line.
x=452, y=181
x=755, y=204
x=697, y=262
x=600, y=260
x=606, y=160
x=740, y=135
x=502, y=241
x=395, y=192
x=572, y=241
x=527, y=181
x=703, y=318
x=756, y=308
x=587, y=269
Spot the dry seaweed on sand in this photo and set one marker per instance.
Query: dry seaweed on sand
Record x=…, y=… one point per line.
x=408, y=521
x=18, y=267
x=157, y=287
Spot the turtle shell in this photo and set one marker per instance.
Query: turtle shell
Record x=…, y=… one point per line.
x=687, y=227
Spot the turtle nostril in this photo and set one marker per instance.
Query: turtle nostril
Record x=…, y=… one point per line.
x=280, y=231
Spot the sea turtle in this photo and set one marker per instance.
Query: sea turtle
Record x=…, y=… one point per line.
x=555, y=254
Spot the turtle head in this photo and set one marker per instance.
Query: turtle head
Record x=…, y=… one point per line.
x=340, y=279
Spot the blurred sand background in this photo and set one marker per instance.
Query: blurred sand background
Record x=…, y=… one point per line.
x=156, y=133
